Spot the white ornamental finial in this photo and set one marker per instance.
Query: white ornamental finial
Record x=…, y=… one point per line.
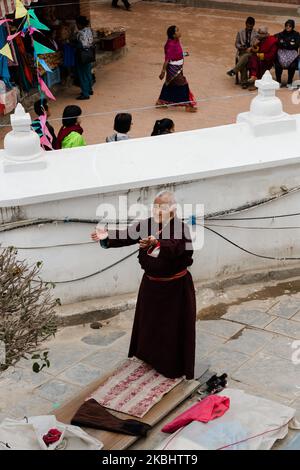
x=22, y=148
x=266, y=116
x=20, y=121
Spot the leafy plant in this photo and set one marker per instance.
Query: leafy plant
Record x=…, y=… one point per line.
x=27, y=308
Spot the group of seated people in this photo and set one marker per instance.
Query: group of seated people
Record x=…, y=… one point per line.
x=71, y=132
x=258, y=51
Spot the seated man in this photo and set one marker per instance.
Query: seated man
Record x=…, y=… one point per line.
x=264, y=56
x=244, y=41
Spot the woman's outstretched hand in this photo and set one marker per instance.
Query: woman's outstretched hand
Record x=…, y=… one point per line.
x=99, y=234
x=162, y=75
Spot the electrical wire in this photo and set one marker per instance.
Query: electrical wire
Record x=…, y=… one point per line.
x=87, y=276
x=205, y=226
x=253, y=228
x=147, y=108
x=248, y=251
x=82, y=2
x=65, y=245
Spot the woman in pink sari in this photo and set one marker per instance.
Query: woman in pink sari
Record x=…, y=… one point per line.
x=175, y=89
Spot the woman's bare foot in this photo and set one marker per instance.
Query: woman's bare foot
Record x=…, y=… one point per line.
x=191, y=109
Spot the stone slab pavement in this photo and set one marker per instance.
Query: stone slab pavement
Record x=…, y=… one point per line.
x=254, y=341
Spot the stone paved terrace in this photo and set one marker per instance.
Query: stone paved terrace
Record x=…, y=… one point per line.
x=246, y=331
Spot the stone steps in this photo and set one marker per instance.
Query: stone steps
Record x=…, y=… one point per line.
x=250, y=6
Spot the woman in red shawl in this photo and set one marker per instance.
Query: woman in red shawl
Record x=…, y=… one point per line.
x=175, y=89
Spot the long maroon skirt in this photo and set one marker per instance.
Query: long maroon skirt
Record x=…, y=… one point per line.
x=163, y=332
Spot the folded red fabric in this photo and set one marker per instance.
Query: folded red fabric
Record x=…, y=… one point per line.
x=209, y=408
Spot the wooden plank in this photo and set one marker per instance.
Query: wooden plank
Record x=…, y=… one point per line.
x=117, y=441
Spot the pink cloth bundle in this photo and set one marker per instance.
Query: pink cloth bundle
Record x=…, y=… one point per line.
x=209, y=408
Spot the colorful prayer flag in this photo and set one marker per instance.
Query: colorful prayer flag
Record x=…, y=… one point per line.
x=45, y=65
x=13, y=36
x=35, y=22
x=20, y=10
x=6, y=51
x=41, y=49
x=5, y=21
x=45, y=89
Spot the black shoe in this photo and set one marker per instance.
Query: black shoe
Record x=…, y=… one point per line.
x=216, y=381
x=212, y=379
x=91, y=93
x=81, y=97
x=231, y=73
x=223, y=377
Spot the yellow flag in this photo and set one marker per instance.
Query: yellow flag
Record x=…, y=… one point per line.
x=6, y=51
x=20, y=10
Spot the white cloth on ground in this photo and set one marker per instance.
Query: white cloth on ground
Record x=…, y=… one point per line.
x=251, y=423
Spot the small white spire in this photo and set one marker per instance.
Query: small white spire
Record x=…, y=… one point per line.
x=22, y=148
x=266, y=116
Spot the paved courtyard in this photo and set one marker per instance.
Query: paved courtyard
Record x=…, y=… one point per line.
x=132, y=82
x=241, y=331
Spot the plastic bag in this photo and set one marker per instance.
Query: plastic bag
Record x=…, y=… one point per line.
x=27, y=434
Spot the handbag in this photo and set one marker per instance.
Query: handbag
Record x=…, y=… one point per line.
x=286, y=57
x=86, y=55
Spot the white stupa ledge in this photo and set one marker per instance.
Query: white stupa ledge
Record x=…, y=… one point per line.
x=22, y=148
x=266, y=116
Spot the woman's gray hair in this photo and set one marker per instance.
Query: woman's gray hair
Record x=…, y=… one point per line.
x=263, y=30
x=169, y=194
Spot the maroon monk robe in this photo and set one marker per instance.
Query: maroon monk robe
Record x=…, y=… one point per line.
x=163, y=332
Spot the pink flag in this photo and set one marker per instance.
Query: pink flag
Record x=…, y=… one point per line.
x=33, y=30
x=45, y=142
x=5, y=21
x=13, y=36
x=45, y=130
x=45, y=89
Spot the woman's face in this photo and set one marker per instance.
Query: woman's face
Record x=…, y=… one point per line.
x=161, y=210
x=288, y=28
x=177, y=34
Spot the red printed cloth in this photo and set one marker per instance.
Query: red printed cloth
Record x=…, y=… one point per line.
x=206, y=410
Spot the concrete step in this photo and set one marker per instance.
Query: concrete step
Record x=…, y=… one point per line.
x=212, y=297
x=250, y=6
x=88, y=311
